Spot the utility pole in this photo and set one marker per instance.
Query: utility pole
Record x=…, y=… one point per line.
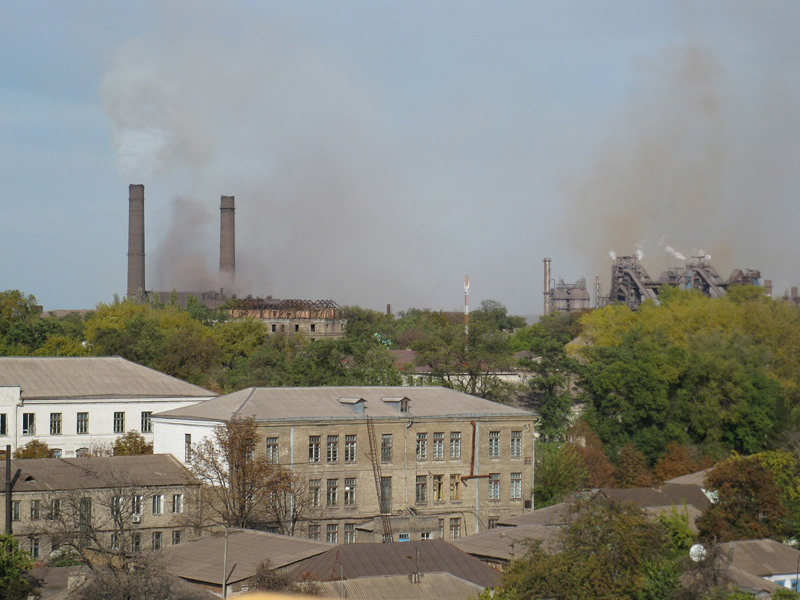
x=225, y=566
x=466, y=308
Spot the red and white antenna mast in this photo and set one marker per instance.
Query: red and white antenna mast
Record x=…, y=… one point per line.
x=466, y=306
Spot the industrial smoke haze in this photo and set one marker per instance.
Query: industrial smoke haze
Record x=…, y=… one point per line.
x=684, y=167
x=289, y=131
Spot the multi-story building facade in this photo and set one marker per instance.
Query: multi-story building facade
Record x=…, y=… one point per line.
x=78, y=404
x=103, y=504
x=425, y=462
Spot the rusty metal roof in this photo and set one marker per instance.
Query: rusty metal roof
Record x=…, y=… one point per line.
x=350, y=561
x=95, y=472
x=327, y=402
x=201, y=559
x=76, y=378
x=431, y=586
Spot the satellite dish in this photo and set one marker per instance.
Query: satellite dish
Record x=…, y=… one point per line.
x=697, y=553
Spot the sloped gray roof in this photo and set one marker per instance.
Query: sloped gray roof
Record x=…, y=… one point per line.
x=323, y=402
x=95, y=472
x=507, y=543
x=349, y=561
x=201, y=559
x=762, y=557
x=550, y=515
x=74, y=378
x=431, y=586
x=698, y=478
x=669, y=494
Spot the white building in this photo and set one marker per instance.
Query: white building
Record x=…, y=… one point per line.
x=79, y=403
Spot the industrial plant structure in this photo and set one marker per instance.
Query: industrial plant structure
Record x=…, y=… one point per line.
x=631, y=285
x=317, y=318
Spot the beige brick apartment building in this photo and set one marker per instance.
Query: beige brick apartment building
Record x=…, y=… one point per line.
x=101, y=504
x=443, y=465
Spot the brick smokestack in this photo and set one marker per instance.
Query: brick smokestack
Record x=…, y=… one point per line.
x=227, y=244
x=136, y=287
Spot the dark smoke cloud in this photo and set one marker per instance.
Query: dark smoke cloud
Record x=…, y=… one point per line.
x=287, y=129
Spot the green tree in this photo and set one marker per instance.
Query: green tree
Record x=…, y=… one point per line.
x=34, y=449
x=560, y=472
x=14, y=566
x=132, y=443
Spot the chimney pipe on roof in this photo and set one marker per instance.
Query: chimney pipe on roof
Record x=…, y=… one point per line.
x=227, y=244
x=136, y=289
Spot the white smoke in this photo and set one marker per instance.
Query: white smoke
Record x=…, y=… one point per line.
x=639, y=251
x=612, y=254
x=675, y=253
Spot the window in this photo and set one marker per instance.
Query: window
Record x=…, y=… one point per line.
x=516, y=444
x=314, y=491
x=422, y=446
x=158, y=504
x=313, y=327
x=422, y=489
x=177, y=503
x=350, y=448
x=455, y=528
x=187, y=447
x=332, y=533
x=119, y=422
x=82, y=425
x=455, y=488
x=493, y=522
x=34, y=547
x=386, y=447
x=3, y=424
x=516, y=486
x=494, y=486
x=55, y=509
x=15, y=510
x=494, y=444
x=386, y=495
x=176, y=537
x=425, y=536
x=85, y=521
x=272, y=450
x=55, y=423
x=437, y=491
x=313, y=448
x=333, y=448
x=56, y=452
x=28, y=424
x=332, y=493
x=441, y=529
x=313, y=532
x=455, y=444
x=350, y=492
x=36, y=510
x=136, y=541
x=115, y=541
x=438, y=445
x=403, y=537
x=349, y=533
x=117, y=506
x=157, y=540
x=81, y=452
x=296, y=327
x=136, y=504
x=147, y=424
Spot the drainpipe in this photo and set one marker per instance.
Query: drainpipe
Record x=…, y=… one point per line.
x=405, y=457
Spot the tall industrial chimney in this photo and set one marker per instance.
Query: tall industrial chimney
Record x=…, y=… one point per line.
x=546, y=286
x=136, y=287
x=227, y=244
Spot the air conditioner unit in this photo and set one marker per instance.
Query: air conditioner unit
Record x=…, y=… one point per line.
x=136, y=518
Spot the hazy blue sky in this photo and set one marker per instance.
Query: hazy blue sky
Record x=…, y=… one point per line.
x=380, y=151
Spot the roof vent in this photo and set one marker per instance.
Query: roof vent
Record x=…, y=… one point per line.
x=399, y=403
x=354, y=404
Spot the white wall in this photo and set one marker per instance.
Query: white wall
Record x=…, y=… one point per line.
x=169, y=435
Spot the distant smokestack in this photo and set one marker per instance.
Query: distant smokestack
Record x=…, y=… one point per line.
x=768, y=287
x=136, y=287
x=227, y=244
x=546, y=286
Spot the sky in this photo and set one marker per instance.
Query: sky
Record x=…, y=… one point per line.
x=381, y=151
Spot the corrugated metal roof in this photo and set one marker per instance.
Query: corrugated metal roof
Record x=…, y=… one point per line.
x=201, y=559
x=94, y=472
x=431, y=586
x=72, y=378
x=350, y=561
x=762, y=557
x=667, y=495
x=324, y=402
x=506, y=543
